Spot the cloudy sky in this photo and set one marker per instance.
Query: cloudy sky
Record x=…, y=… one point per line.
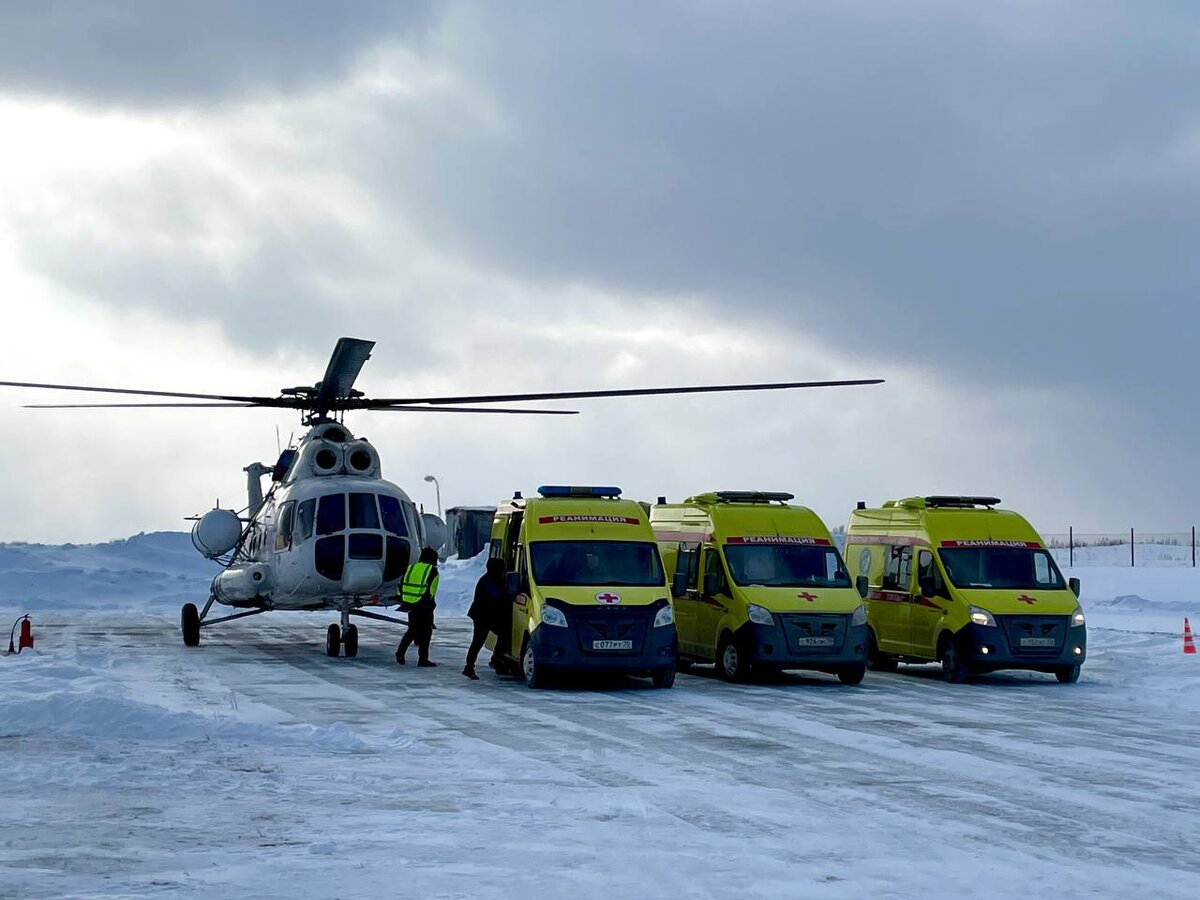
x=993, y=206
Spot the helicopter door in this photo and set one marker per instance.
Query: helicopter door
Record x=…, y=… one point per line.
x=289, y=568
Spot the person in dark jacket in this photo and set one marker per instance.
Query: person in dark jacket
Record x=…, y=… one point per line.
x=417, y=591
x=486, y=613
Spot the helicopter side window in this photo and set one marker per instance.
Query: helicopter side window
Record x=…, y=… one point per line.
x=393, y=516
x=305, y=514
x=363, y=513
x=283, y=535
x=331, y=514
x=413, y=518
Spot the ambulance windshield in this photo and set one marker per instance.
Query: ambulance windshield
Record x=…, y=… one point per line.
x=786, y=565
x=1001, y=567
x=596, y=563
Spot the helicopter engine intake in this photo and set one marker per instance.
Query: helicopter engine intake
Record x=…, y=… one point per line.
x=361, y=459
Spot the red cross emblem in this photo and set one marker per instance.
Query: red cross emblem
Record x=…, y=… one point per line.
x=608, y=599
x=807, y=596
x=1025, y=598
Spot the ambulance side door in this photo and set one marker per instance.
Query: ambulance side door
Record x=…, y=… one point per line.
x=893, y=631
x=688, y=604
x=521, y=602
x=714, y=604
x=928, y=608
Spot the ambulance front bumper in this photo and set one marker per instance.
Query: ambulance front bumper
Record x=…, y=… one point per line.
x=610, y=639
x=1038, y=643
x=802, y=641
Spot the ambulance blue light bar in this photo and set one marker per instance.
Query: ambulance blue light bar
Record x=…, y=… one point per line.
x=559, y=490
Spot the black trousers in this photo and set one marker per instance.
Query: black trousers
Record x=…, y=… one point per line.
x=478, y=639
x=420, y=632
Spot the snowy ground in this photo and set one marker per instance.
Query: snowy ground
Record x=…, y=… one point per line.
x=255, y=766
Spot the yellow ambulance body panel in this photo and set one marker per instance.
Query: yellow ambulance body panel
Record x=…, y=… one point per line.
x=956, y=580
x=587, y=585
x=759, y=583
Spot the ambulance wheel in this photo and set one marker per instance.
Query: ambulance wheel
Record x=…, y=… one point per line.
x=350, y=640
x=852, y=674
x=189, y=623
x=733, y=661
x=878, y=660
x=1067, y=674
x=663, y=678
x=954, y=667
x=333, y=641
x=529, y=668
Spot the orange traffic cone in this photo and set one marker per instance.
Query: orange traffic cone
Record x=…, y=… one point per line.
x=1189, y=645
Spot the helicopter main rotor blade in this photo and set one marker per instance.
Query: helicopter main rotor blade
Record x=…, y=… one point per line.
x=347, y=360
x=257, y=401
x=141, y=405
x=621, y=392
x=477, y=409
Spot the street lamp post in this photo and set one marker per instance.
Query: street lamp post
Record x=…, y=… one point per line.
x=438, y=488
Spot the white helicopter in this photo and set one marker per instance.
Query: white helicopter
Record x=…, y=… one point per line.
x=331, y=533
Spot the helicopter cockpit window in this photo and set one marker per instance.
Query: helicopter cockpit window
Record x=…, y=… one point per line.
x=283, y=535
x=331, y=514
x=393, y=515
x=366, y=546
x=363, y=513
x=304, y=520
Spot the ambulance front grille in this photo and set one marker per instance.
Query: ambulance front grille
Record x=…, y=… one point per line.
x=806, y=627
x=1050, y=633
x=612, y=624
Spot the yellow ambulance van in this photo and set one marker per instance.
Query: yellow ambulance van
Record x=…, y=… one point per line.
x=587, y=586
x=958, y=581
x=759, y=584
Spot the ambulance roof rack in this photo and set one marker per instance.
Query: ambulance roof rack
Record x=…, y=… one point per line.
x=560, y=490
x=944, y=502
x=745, y=497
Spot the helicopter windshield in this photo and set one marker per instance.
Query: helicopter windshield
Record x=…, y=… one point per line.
x=393, y=515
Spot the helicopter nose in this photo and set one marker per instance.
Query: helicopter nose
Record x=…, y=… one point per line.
x=361, y=576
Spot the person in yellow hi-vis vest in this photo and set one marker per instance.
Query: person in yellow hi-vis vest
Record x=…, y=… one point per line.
x=417, y=591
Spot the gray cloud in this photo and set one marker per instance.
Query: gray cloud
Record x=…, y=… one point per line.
x=150, y=52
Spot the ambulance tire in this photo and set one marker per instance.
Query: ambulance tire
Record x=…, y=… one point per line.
x=189, y=623
x=954, y=667
x=1067, y=674
x=534, y=679
x=852, y=674
x=333, y=640
x=663, y=678
x=350, y=641
x=878, y=660
x=733, y=659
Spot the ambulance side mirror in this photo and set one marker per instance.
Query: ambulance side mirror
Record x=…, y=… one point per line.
x=679, y=584
x=864, y=586
x=928, y=586
x=711, y=584
x=1074, y=585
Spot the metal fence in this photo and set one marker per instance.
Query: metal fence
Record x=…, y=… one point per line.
x=1124, y=548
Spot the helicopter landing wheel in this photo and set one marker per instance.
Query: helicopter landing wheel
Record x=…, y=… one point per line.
x=350, y=640
x=189, y=624
x=333, y=641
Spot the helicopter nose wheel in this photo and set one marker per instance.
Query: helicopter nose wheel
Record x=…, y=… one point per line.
x=341, y=639
x=333, y=641
x=350, y=640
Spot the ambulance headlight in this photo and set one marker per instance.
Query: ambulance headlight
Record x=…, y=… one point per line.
x=980, y=616
x=1077, y=617
x=859, y=616
x=759, y=616
x=552, y=615
x=665, y=616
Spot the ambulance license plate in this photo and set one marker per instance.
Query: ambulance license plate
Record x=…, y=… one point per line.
x=816, y=642
x=612, y=645
x=1038, y=642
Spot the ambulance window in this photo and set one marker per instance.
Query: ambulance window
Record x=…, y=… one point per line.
x=393, y=516
x=689, y=562
x=713, y=566
x=897, y=573
x=1041, y=569
x=331, y=514
x=304, y=520
x=925, y=567
x=363, y=513
x=283, y=536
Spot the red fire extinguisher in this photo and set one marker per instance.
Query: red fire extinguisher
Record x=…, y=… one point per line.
x=26, y=639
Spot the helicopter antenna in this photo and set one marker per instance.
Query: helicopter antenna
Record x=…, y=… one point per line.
x=278, y=447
